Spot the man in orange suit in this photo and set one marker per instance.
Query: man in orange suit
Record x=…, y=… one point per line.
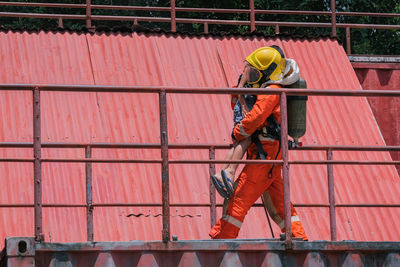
x=261, y=124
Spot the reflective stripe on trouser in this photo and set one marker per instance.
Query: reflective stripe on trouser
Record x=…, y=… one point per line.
x=274, y=203
x=252, y=182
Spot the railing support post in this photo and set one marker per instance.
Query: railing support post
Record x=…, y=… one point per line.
x=173, y=16
x=252, y=17
x=37, y=166
x=205, y=27
x=89, y=207
x=213, y=205
x=60, y=23
x=277, y=29
x=331, y=193
x=88, y=14
x=164, y=166
x=285, y=170
x=348, y=41
x=333, y=17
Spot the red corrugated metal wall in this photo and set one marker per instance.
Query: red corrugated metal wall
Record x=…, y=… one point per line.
x=383, y=76
x=157, y=59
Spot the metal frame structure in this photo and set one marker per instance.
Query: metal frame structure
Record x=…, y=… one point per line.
x=173, y=20
x=37, y=159
x=22, y=251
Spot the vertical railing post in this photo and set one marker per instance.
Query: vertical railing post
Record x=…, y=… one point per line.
x=37, y=166
x=348, y=41
x=60, y=23
x=205, y=27
x=173, y=16
x=333, y=17
x=164, y=166
x=285, y=169
x=213, y=213
x=331, y=193
x=276, y=28
x=88, y=14
x=89, y=207
x=252, y=17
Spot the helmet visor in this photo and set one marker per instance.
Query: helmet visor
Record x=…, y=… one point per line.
x=254, y=75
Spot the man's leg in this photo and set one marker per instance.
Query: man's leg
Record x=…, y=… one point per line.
x=251, y=184
x=238, y=153
x=274, y=201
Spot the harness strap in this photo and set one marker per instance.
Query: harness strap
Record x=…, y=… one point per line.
x=273, y=131
x=279, y=150
x=256, y=140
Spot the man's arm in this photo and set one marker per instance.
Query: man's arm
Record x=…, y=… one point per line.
x=256, y=117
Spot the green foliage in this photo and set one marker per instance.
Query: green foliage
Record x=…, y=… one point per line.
x=363, y=41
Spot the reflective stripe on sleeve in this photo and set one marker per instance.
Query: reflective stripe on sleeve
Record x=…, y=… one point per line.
x=242, y=131
x=232, y=220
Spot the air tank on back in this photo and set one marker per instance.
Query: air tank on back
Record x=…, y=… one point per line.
x=297, y=110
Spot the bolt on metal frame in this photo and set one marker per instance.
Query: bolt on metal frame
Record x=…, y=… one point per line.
x=173, y=20
x=164, y=146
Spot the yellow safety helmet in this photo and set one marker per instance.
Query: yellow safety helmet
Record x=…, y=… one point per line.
x=268, y=62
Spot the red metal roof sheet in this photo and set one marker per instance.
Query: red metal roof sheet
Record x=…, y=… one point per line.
x=383, y=76
x=146, y=59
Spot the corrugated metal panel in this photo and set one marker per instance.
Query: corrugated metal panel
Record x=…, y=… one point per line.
x=140, y=59
x=381, y=76
x=45, y=58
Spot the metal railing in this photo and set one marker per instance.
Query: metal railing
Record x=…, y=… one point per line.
x=173, y=20
x=37, y=159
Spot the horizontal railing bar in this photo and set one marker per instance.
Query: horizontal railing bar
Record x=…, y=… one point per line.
x=203, y=10
x=368, y=26
x=64, y=205
x=116, y=145
x=133, y=18
x=304, y=205
x=85, y=160
x=190, y=146
x=149, y=205
x=372, y=205
x=189, y=161
x=326, y=25
x=344, y=162
x=41, y=16
x=25, y=4
x=348, y=148
x=55, y=205
x=199, y=90
x=369, y=14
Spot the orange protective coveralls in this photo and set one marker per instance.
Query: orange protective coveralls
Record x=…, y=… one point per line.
x=254, y=180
